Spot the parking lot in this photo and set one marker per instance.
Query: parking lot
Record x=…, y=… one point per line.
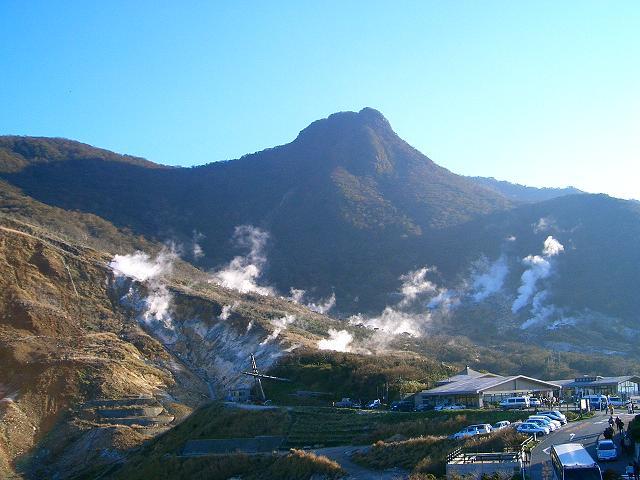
x=586, y=432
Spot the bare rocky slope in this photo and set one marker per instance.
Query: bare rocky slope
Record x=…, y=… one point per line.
x=83, y=376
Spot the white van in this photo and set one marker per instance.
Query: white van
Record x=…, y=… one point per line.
x=515, y=402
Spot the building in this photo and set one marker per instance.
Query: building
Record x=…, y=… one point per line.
x=475, y=389
x=625, y=387
x=240, y=395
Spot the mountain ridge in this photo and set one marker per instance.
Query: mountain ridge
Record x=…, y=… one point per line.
x=524, y=193
x=350, y=208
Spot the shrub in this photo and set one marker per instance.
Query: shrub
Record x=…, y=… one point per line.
x=301, y=465
x=634, y=428
x=610, y=474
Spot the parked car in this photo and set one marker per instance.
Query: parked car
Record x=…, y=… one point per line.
x=515, y=402
x=606, y=450
x=453, y=406
x=543, y=423
x=535, y=402
x=556, y=415
x=345, y=403
x=553, y=424
x=501, y=425
x=530, y=428
x=403, y=406
x=471, y=430
x=375, y=405
x=424, y=408
x=616, y=402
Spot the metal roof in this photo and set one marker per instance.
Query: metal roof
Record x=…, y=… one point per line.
x=599, y=381
x=573, y=455
x=476, y=385
x=466, y=374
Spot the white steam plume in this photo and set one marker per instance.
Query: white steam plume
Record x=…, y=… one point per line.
x=339, y=341
x=414, y=284
x=279, y=325
x=540, y=312
x=552, y=247
x=543, y=224
x=296, y=295
x=445, y=300
x=196, y=249
x=405, y=317
x=394, y=321
x=322, y=306
x=141, y=267
x=243, y=272
x=539, y=268
x=490, y=281
x=227, y=310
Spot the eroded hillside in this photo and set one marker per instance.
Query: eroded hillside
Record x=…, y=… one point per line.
x=71, y=336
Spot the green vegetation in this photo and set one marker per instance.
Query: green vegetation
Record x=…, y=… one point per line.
x=352, y=375
x=573, y=416
x=634, y=428
x=511, y=358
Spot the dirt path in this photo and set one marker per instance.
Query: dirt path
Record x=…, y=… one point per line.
x=342, y=455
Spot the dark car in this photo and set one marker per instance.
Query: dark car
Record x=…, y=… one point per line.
x=403, y=406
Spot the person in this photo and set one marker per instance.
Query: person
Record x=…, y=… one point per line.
x=619, y=424
x=611, y=422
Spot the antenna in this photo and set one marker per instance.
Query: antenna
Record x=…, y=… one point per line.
x=255, y=373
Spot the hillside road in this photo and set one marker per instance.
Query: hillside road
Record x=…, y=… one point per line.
x=586, y=432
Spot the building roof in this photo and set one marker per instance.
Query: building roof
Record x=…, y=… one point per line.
x=475, y=385
x=595, y=381
x=466, y=374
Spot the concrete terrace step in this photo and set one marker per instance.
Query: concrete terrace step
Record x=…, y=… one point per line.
x=143, y=421
x=130, y=412
x=121, y=402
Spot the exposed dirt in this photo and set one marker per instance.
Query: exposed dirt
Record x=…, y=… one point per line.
x=68, y=338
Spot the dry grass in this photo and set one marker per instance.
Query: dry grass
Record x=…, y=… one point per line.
x=299, y=464
x=296, y=465
x=427, y=455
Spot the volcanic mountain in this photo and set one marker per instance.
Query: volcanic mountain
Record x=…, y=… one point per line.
x=459, y=272
x=346, y=193
x=351, y=208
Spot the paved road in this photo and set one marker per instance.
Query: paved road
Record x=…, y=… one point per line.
x=342, y=455
x=585, y=432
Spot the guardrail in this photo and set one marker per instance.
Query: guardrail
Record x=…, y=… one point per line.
x=454, y=454
x=521, y=454
x=486, y=457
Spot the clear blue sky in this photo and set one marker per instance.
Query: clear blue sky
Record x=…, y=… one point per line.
x=542, y=93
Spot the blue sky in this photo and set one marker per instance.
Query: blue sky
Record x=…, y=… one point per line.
x=541, y=93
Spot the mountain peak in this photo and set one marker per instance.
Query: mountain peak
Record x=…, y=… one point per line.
x=348, y=122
